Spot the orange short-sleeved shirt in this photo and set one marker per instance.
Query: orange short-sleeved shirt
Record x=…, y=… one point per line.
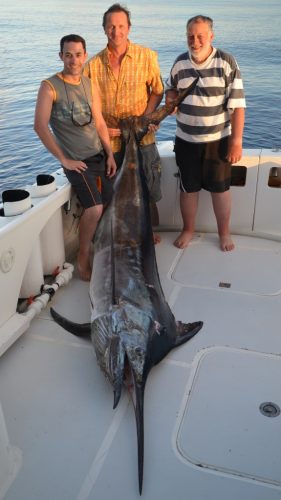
x=128, y=95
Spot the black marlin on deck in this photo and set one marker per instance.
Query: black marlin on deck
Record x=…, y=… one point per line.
x=132, y=326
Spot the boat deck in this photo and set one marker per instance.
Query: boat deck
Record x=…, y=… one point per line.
x=208, y=434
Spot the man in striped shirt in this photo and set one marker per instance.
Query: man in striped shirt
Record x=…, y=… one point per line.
x=210, y=125
x=130, y=84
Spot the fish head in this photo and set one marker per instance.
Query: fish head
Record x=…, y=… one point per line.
x=133, y=327
x=120, y=339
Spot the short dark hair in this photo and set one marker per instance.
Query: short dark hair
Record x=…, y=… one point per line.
x=198, y=19
x=72, y=38
x=116, y=7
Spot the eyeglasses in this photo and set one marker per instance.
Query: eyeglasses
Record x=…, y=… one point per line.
x=78, y=112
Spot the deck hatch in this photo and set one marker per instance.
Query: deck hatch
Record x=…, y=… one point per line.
x=222, y=427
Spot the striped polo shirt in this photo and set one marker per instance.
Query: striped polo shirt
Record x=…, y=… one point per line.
x=205, y=114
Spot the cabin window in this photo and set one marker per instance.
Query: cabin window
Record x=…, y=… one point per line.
x=238, y=175
x=274, y=178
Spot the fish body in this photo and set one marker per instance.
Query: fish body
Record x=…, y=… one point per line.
x=132, y=325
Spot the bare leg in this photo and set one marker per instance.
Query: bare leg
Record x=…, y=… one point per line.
x=188, y=205
x=222, y=209
x=156, y=238
x=155, y=221
x=87, y=228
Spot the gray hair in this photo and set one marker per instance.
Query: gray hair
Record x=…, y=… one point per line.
x=200, y=19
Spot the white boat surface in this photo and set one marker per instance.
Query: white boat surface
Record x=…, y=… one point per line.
x=212, y=406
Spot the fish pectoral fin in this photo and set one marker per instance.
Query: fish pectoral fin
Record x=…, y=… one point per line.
x=78, y=329
x=185, y=331
x=117, y=395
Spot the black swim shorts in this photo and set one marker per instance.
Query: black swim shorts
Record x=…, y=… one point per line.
x=203, y=165
x=92, y=186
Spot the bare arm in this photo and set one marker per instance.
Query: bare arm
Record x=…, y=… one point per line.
x=153, y=102
x=235, y=144
x=102, y=131
x=41, y=126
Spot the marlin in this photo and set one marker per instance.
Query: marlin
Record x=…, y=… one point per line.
x=132, y=326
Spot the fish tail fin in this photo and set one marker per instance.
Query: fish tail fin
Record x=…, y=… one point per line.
x=163, y=111
x=185, y=331
x=142, y=122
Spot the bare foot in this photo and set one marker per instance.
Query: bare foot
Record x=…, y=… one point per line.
x=226, y=243
x=183, y=239
x=156, y=238
x=84, y=267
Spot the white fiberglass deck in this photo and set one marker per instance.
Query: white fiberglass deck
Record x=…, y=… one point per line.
x=205, y=435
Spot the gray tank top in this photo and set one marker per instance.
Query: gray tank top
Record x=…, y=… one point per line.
x=72, y=103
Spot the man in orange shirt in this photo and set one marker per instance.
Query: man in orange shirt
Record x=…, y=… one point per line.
x=130, y=84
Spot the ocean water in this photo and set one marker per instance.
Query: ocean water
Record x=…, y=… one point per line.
x=30, y=32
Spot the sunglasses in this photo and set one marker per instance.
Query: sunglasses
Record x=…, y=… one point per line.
x=75, y=115
x=87, y=114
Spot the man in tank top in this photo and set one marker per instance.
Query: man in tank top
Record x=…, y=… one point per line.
x=80, y=140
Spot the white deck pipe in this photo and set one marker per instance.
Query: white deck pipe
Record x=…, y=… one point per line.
x=48, y=291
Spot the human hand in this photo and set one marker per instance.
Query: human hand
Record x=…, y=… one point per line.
x=234, y=153
x=110, y=166
x=75, y=165
x=152, y=127
x=114, y=132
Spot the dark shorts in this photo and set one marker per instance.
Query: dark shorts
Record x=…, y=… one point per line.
x=92, y=186
x=152, y=169
x=203, y=165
